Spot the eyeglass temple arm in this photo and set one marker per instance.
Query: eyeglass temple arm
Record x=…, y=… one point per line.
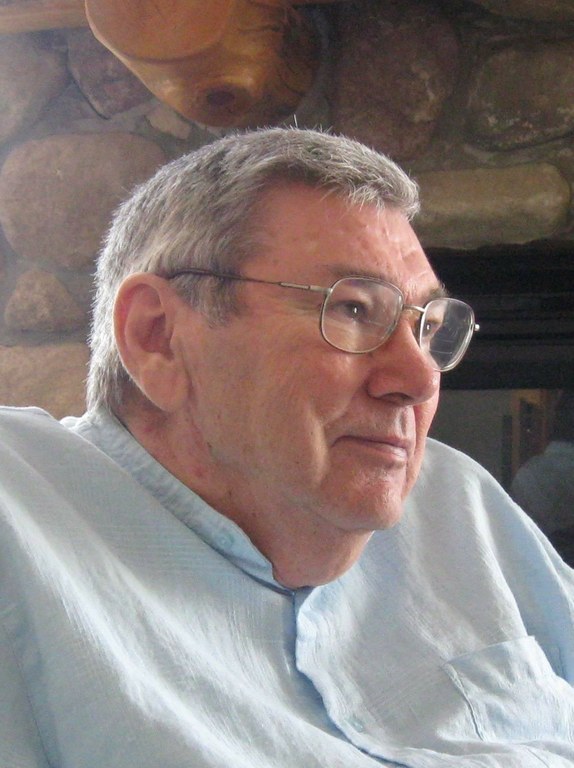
x=207, y=273
x=314, y=288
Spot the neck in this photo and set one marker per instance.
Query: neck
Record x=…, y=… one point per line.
x=313, y=568
x=303, y=551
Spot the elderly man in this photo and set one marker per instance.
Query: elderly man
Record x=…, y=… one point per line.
x=247, y=553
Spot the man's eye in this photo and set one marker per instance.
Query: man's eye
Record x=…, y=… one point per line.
x=431, y=327
x=352, y=310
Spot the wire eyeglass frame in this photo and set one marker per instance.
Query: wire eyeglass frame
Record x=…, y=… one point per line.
x=425, y=324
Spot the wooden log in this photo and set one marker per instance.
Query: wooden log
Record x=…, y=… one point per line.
x=223, y=63
x=34, y=15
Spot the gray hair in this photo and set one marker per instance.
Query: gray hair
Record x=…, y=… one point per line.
x=201, y=210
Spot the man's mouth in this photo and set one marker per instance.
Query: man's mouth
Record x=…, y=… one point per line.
x=391, y=448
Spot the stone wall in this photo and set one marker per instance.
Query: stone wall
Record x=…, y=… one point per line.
x=474, y=98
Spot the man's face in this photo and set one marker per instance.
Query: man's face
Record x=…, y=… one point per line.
x=298, y=439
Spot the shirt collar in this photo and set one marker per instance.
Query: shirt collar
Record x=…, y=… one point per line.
x=108, y=434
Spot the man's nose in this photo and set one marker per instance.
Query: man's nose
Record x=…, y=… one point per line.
x=400, y=366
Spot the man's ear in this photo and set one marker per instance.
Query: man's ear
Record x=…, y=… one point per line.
x=145, y=314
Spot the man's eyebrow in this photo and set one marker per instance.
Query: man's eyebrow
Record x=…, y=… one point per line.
x=440, y=292
x=339, y=271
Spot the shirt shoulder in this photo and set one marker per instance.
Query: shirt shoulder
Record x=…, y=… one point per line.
x=443, y=463
x=33, y=436
x=27, y=420
x=12, y=415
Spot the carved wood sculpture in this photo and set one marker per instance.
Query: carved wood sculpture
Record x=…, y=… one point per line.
x=220, y=63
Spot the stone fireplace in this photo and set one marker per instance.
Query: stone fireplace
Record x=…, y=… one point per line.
x=474, y=99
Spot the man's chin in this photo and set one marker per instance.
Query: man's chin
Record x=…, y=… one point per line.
x=373, y=502
x=368, y=517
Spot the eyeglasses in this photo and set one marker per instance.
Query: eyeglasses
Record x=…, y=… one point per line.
x=359, y=314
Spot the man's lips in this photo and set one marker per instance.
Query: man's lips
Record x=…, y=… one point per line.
x=391, y=446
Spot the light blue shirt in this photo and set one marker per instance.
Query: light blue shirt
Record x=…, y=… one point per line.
x=139, y=628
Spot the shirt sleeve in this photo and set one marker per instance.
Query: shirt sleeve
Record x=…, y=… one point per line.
x=20, y=743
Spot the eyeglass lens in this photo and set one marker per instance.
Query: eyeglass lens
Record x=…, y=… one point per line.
x=360, y=314
x=445, y=331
